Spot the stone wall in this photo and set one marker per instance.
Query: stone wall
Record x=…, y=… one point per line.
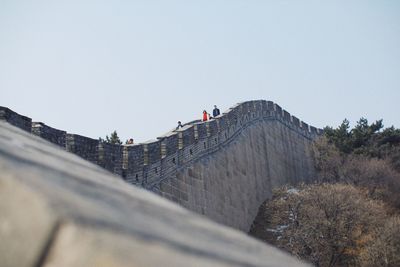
x=230, y=184
x=223, y=168
x=57, y=209
x=15, y=119
x=55, y=136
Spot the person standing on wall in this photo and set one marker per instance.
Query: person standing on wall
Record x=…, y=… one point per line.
x=179, y=125
x=215, y=111
x=205, y=115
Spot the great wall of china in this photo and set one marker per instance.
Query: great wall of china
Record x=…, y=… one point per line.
x=57, y=208
x=223, y=168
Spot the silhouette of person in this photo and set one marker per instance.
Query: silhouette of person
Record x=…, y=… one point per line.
x=216, y=111
x=130, y=142
x=179, y=125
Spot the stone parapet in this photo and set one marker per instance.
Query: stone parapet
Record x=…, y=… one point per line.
x=52, y=135
x=15, y=119
x=59, y=210
x=143, y=164
x=157, y=165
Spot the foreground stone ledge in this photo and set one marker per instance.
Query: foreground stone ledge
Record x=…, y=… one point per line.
x=56, y=209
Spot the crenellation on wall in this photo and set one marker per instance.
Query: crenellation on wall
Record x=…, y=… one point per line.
x=194, y=140
x=305, y=127
x=264, y=108
x=125, y=160
x=278, y=111
x=259, y=108
x=15, y=119
x=296, y=121
x=270, y=105
x=251, y=105
x=134, y=158
x=248, y=107
x=153, y=168
x=154, y=151
x=212, y=128
x=313, y=130
x=201, y=130
x=110, y=157
x=269, y=109
x=188, y=137
x=256, y=104
x=158, y=165
x=213, y=140
x=83, y=146
x=233, y=115
x=52, y=135
x=286, y=116
x=223, y=123
x=170, y=143
x=240, y=108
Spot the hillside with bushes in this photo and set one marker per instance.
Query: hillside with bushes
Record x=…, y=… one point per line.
x=350, y=215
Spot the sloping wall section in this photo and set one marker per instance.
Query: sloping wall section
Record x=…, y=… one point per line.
x=230, y=184
x=223, y=168
x=57, y=209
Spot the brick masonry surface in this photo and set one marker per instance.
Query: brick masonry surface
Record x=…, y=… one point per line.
x=223, y=168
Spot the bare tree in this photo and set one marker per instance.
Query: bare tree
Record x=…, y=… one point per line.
x=327, y=224
x=376, y=175
x=384, y=250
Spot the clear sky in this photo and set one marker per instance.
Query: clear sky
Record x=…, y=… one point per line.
x=90, y=67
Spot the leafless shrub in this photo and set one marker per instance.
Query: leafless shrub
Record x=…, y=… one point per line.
x=382, y=181
x=384, y=250
x=328, y=160
x=327, y=224
x=376, y=175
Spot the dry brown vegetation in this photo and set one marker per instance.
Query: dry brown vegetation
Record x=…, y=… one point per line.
x=330, y=225
x=350, y=216
x=377, y=176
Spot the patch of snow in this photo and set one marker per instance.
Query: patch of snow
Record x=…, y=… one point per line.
x=279, y=228
x=293, y=191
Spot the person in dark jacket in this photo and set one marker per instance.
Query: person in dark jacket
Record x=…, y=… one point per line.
x=179, y=125
x=216, y=111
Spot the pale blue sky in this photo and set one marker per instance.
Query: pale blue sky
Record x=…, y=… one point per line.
x=90, y=67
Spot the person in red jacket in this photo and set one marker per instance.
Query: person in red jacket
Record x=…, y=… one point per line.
x=205, y=115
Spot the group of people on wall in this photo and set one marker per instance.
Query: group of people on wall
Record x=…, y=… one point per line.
x=206, y=116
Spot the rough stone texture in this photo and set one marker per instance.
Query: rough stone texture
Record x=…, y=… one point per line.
x=84, y=147
x=223, y=168
x=15, y=119
x=229, y=185
x=57, y=209
x=52, y=135
x=110, y=157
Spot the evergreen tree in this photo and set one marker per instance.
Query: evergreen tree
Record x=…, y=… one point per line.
x=367, y=140
x=113, y=139
x=340, y=137
x=362, y=133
